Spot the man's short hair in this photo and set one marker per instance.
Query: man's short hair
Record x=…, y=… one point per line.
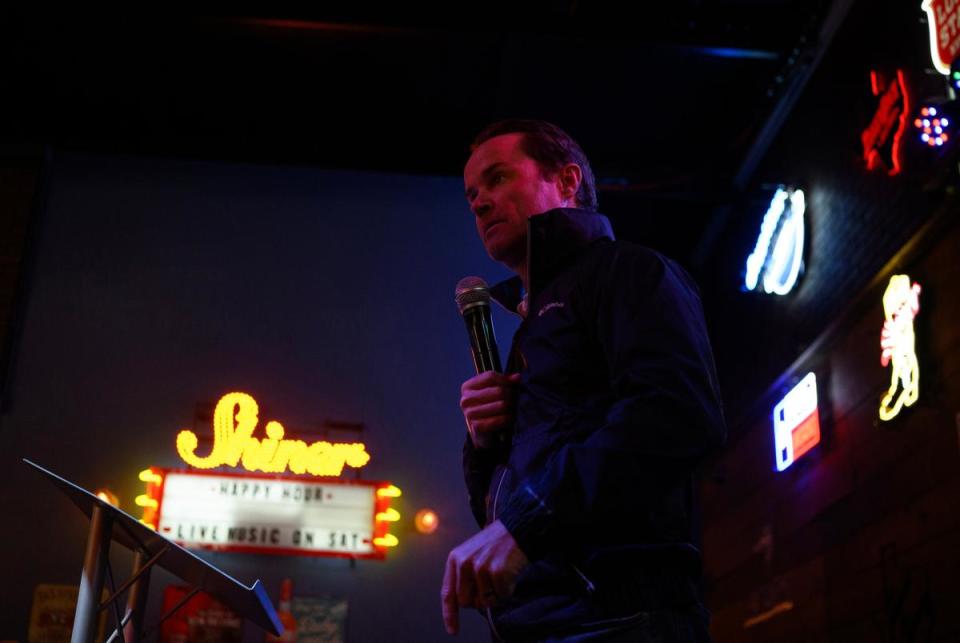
x=551, y=148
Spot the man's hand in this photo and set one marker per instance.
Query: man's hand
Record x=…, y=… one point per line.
x=487, y=401
x=479, y=572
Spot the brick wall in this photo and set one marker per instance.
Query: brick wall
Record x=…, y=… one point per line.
x=859, y=535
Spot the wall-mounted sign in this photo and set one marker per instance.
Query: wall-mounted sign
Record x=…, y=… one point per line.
x=202, y=618
x=943, y=20
x=51, y=617
x=270, y=514
x=234, y=420
x=883, y=138
x=901, y=303
x=796, y=422
x=777, y=258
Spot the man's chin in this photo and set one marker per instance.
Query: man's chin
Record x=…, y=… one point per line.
x=507, y=256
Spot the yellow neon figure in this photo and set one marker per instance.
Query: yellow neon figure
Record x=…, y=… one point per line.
x=234, y=420
x=901, y=303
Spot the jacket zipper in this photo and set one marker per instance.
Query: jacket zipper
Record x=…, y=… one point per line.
x=493, y=516
x=588, y=584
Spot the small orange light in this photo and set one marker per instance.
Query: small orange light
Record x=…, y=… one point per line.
x=426, y=521
x=108, y=497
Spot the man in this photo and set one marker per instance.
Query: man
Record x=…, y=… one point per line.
x=578, y=461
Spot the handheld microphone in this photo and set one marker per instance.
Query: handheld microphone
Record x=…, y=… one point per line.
x=473, y=300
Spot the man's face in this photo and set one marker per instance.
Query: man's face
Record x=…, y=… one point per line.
x=504, y=187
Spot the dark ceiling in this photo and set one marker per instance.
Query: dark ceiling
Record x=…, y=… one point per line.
x=668, y=99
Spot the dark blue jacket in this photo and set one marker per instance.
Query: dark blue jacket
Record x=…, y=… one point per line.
x=618, y=402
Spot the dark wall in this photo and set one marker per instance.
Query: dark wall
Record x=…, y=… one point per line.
x=161, y=285
x=855, y=541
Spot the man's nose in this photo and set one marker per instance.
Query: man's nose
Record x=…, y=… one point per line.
x=481, y=206
x=481, y=209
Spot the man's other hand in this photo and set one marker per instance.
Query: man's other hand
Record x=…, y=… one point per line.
x=480, y=572
x=488, y=403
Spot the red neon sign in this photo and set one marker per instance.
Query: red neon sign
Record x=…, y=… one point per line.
x=883, y=138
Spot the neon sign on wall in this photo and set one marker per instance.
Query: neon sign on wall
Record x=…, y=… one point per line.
x=796, y=422
x=234, y=421
x=901, y=303
x=883, y=138
x=778, y=256
x=257, y=513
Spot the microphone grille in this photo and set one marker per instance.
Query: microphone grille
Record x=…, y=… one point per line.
x=472, y=291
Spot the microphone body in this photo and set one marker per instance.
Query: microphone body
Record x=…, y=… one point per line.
x=473, y=300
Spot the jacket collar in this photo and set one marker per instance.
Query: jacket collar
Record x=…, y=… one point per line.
x=554, y=238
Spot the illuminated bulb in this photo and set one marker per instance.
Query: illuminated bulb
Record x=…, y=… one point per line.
x=924, y=111
x=939, y=141
x=926, y=122
x=389, y=540
x=944, y=136
x=148, y=524
x=146, y=501
x=147, y=475
x=389, y=492
x=944, y=122
x=426, y=521
x=108, y=497
x=925, y=137
x=938, y=130
x=933, y=111
x=390, y=515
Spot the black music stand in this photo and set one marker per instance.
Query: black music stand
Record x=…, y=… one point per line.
x=107, y=523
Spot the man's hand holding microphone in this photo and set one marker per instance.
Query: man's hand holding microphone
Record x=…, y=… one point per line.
x=483, y=569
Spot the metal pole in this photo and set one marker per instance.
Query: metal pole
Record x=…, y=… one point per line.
x=137, y=600
x=91, y=582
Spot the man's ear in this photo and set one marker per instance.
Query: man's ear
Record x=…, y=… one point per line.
x=569, y=179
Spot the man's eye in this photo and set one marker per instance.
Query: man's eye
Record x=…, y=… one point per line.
x=499, y=178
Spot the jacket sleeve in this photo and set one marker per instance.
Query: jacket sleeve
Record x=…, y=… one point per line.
x=666, y=414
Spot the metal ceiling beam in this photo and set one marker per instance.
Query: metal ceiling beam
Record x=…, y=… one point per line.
x=792, y=91
x=715, y=51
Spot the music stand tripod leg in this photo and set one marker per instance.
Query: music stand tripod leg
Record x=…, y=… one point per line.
x=137, y=600
x=91, y=581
